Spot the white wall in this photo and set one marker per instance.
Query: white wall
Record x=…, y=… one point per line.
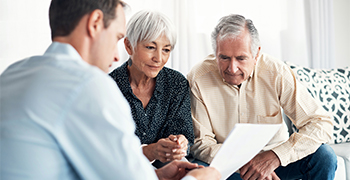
x=280, y=24
x=342, y=32
x=24, y=27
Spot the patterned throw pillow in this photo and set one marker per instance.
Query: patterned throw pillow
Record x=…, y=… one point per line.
x=332, y=88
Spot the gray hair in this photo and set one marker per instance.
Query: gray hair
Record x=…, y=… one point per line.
x=148, y=25
x=231, y=26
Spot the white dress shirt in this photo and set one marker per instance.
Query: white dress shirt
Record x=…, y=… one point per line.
x=61, y=118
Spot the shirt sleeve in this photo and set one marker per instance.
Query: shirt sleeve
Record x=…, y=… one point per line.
x=180, y=113
x=314, y=123
x=97, y=134
x=205, y=145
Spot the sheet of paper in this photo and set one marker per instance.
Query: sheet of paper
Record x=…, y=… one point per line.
x=242, y=144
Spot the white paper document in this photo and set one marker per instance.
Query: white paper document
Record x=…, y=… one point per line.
x=243, y=143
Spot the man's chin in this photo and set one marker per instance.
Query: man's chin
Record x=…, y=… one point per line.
x=234, y=82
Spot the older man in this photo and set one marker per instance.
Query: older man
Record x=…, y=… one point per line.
x=239, y=84
x=63, y=117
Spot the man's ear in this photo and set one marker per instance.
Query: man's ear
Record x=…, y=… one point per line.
x=257, y=54
x=128, y=46
x=95, y=23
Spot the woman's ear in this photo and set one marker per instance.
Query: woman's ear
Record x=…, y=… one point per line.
x=128, y=46
x=95, y=23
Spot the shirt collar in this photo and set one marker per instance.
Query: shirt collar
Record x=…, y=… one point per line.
x=160, y=79
x=58, y=48
x=124, y=76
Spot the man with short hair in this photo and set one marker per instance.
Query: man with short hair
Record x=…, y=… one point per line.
x=241, y=85
x=63, y=117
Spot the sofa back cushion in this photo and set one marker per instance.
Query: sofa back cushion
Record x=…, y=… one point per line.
x=332, y=89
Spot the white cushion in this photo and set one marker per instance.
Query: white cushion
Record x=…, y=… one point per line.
x=343, y=150
x=340, y=174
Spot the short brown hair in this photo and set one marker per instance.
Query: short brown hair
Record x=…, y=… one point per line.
x=65, y=15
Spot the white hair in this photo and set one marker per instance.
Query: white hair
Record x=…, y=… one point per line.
x=231, y=26
x=148, y=25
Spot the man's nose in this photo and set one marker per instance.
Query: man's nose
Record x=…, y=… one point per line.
x=233, y=67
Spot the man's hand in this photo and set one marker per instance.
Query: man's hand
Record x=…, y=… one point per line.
x=272, y=176
x=205, y=173
x=261, y=167
x=167, y=149
x=176, y=170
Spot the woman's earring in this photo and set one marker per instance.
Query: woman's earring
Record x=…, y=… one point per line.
x=129, y=62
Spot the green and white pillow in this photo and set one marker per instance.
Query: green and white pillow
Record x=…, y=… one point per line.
x=332, y=88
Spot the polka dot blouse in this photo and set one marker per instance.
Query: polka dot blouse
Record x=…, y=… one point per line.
x=168, y=111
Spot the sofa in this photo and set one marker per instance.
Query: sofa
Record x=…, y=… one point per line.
x=332, y=88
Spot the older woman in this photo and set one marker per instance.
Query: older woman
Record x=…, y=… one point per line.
x=158, y=96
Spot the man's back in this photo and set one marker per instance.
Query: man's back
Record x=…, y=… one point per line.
x=58, y=119
x=32, y=99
